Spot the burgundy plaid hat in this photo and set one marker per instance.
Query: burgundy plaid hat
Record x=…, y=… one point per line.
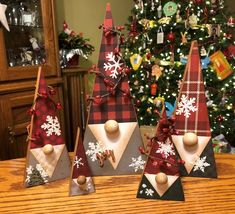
x=45, y=123
x=117, y=107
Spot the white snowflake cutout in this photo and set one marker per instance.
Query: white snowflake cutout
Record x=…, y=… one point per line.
x=95, y=148
x=78, y=162
x=201, y=164
x=113, y=65
x=185, y=106
x=51, y=126
x=137, y=163
x=166, y=148
x=149, y=192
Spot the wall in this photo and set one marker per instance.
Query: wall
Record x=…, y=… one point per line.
x=86, y=15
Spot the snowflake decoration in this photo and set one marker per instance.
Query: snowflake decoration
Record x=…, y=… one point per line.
x=113, y=65
x=78, y=162
x=166, y=149
x=137, y=163
x=186, y=106
x=31, y=170
x=149, y=192
x=95, y=148
x=200, y=164
x=51, y=126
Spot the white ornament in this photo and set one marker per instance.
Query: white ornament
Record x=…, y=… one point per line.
x=166, y=149
x=200, y=164
x=78, y=162
x=137, y=163
x=51, y=126
x=113, y=65
x=186, y=106
x=94, y=149
x=3, y=19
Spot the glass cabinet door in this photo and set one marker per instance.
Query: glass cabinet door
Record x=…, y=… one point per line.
x=31, y=41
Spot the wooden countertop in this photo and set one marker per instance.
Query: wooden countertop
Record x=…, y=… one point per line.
x=116, y=194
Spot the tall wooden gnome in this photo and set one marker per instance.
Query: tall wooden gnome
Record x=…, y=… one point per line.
x=112, y=135
x=47, y=156
x=193, y=142
x=161, y=176
x=81, y=182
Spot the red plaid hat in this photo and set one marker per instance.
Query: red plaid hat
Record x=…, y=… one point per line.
x=191, y=112
x=116, y=107
x=45, y=126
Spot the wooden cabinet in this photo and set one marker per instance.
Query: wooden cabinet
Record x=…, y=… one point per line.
x=31, y=42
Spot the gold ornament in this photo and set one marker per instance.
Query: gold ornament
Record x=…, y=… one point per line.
x=136, y=61
x=183, y=38
x=156, y=71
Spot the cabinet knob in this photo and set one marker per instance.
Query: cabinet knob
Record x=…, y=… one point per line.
x=11, y=134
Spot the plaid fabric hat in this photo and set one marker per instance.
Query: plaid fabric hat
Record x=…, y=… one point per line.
x=116, y=107
x=191, y=112
x=45, y=125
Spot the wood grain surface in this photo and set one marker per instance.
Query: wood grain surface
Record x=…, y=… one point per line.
x=116, y=194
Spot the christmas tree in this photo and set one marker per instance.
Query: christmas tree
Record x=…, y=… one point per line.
x=160, y=35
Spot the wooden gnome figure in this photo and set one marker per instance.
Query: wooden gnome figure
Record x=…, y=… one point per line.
x=47, y=156
x=193, y=142
x=112, y=135
x=80, y=182
x=161, y=176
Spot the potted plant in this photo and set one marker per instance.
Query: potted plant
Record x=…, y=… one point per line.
x=72, y=46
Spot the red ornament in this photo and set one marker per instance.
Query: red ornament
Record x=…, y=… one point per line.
x=127, y=70
x=220, y=118
x=154, y=89
x=31, y=111
x=52, y=91
x=98, y=99
x=148, y=56
x=58, y=106
x=138, y=103
x=198, y=1
x=171, y=36
x=231, y=22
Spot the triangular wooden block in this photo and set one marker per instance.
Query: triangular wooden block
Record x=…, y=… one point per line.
x=192, y=117
x=116, y=153
x=117, y=143
x=190, y=155
x=47, y=156
x=80, y=170
x=48, y=162
x=161, y=189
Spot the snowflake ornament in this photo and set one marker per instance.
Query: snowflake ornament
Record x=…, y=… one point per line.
x=137, y=163
x=78, y=162
x=146, y=191
x=186, y=106
x=166, y=149
x=200, y=164
x=113, y=65
x=94, y=149
x=51, y=126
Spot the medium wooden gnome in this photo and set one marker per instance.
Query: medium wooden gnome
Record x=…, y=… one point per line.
x=47, y=156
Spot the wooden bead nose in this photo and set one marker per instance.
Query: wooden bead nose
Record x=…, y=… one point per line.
x=81, y=180
x=161, y=178
x=190, y=139
x=48, y=149
x=111, y=126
